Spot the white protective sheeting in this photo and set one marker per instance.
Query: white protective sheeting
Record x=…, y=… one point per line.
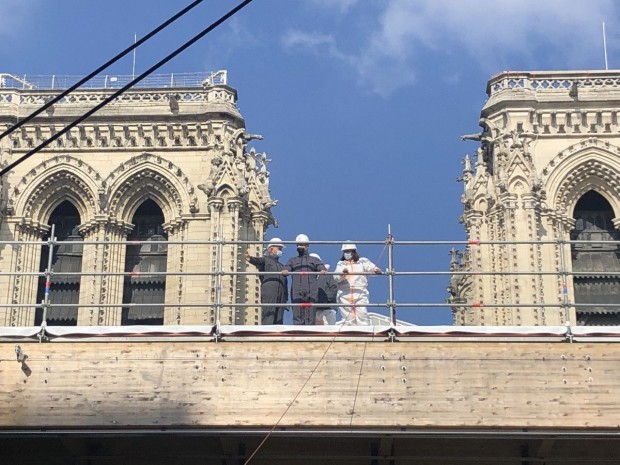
x=302, y=330
x=596, y=333
x=128, y=331
x=19, y=332
x=404, y=332
x=494, y=331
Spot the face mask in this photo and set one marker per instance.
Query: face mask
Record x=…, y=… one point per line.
x=301, y=250
x=348, y=256
x=278, y=253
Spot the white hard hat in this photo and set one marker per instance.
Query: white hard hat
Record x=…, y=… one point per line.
x=302, y=239
x=316, y=255
x=275, y=242
x=348, y=246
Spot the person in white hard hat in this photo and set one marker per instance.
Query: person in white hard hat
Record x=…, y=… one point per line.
x=327, y=290
x=353, y=285
x=274, y=287
x=304, y=289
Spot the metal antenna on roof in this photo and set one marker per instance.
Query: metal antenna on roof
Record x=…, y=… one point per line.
x=133, y=66
x=605, y=47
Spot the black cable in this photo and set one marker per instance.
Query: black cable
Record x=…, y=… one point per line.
x=101, y=68
x=156, y=66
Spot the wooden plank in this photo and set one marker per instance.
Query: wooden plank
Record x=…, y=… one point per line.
x=303, y=384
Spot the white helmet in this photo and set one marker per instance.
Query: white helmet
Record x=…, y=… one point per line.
x=348, y=245
x=302, y=239
x=275, y=242
x=318, y=257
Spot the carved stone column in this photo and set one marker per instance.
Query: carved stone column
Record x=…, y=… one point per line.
x=565, y=225
x=257, y=226
x=5, y=153
x=93, y=233
x=232, y=260
x=176, y=262
x=216, y=206
x=100, y=256
x=105, y=291
x=24, y=258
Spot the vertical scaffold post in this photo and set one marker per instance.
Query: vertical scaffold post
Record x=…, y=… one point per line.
x=390, y=272
x=48, y=277
x=218, y=286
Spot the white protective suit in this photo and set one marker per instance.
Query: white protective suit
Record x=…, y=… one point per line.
x=353, y=290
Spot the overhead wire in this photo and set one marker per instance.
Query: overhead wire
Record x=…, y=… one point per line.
x=123, y=89
x=301, y=389
x=357, y=387
x=108, y=63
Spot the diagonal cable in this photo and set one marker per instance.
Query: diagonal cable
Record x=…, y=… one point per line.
x=290, y=404
x=130, y=84
x=85, y=79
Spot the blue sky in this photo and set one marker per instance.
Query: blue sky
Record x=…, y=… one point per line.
x=361, y=102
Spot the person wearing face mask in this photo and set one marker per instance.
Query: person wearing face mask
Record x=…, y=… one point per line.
x=353, y=285
x=304, y=288
x=274, y=287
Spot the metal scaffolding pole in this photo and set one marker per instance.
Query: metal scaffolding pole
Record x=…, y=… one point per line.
x=48, y=275
x=390, y=272
x=563, y=275
x=218, y=286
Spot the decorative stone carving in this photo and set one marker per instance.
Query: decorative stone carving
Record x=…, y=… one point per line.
x=538, y=160
x=139, y=147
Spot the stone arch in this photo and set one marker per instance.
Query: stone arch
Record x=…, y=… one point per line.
x=481, y=204
x=145, y=177
x=67, y=256
x=225, y=191
x=254, y=205
x=519, y=184
x=590, y=165
x=140, y=258
x=52, y=182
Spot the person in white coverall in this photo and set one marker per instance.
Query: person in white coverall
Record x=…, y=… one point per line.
x=353, y=285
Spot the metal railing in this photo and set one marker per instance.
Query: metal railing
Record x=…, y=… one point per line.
x=394, y=288
x=113, y=81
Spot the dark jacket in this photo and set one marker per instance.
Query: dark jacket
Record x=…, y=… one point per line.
x=273, y=287
x=304, y=287
x=327, y=288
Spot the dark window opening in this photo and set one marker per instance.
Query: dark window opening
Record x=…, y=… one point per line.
x=66, y=258
x=141, y=259
x=594, y=222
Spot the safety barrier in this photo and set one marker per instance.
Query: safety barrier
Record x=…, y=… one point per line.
x=155, y=81
x=391, y=298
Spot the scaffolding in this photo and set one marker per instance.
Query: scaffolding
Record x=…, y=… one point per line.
x=391, y=281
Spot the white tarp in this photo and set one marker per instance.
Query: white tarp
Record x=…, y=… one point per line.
x=292, y=331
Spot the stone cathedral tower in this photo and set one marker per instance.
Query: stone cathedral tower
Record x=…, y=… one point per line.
x=166, y=161
x=547, y=172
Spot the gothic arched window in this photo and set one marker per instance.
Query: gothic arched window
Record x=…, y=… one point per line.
x=593, y=222
x=64, y=290
x=141, y=259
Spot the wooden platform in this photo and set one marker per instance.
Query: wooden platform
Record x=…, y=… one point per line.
x=263, y=401
x=462, y=386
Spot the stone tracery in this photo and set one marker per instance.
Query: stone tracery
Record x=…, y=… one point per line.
x=140, y=147
x=537, y=159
